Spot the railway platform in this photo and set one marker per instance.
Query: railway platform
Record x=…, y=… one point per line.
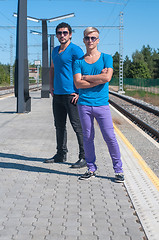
x=47, y=201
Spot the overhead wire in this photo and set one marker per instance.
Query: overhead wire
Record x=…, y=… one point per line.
x=116, y=4
x=117, y=18
x=3, y=41
x=9, y=21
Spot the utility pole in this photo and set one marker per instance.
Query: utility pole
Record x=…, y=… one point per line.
x=121, y=54
x=51, y=46
x=21, y=71
x=45, y=68
x=11, y=61
x=38, y=75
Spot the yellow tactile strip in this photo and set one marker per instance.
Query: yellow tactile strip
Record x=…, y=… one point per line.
x=154, y=179
x=142, y=186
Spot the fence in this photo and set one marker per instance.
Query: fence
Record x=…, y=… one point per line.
x=147, y=85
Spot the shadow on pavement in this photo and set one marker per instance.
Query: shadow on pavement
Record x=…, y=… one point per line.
x=20, y=157
x=9, y=112
x=28, y=168
x=24, y=158
x=112, y=179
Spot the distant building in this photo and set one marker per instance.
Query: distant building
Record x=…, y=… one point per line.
x=33, y=73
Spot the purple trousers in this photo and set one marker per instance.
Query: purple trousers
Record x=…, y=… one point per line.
x=103, y=116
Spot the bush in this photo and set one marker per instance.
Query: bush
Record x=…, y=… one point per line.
x=4, y=74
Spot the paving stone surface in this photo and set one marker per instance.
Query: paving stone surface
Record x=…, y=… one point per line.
x=47, y=201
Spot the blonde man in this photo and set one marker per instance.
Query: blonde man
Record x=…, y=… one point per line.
x=92, y=74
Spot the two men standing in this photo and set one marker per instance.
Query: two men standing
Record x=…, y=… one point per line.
x=92, y=73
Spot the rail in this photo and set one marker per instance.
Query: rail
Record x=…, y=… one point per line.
x=10, y=90
x=142, y=124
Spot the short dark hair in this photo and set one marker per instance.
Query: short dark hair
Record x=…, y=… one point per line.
x=64, y=25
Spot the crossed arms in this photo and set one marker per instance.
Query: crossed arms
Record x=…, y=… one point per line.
x=88, y=81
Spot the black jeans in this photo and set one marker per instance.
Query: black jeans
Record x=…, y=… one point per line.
x=62, y=107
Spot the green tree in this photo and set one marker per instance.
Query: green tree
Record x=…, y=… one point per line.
x=126, y=67
x=138, y=57
x=147, y=53
x=116, y=65
x=139, y=69
x=4, y=74
x=155, y=58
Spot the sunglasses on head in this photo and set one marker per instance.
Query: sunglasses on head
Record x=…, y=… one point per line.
x=65, y=33
x=93, y=39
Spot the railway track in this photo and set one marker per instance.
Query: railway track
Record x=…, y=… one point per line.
x=4, y=91
x=142, y=114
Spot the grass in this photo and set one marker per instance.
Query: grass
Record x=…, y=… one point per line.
x=148, y=97
x=4, y=84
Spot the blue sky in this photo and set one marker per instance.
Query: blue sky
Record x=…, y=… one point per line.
x=140, y=19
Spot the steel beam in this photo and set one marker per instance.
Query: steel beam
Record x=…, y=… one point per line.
x=51, y=46
x=45, y=68
x=21, y=72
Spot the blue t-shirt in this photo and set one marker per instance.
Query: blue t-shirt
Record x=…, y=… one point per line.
x=63, y=64
x=98, y=95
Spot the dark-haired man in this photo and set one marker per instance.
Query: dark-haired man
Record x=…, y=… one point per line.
x=65, y=94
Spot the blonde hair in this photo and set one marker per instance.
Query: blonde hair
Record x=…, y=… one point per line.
x=90, y=30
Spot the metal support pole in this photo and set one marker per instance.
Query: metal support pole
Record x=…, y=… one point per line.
x=51, y=46
x=11, y=61
x=121, y=54
x=22, y=74
x=38, y=75
x=45, y=68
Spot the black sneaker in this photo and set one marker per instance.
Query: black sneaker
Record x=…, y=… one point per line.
x=119, y=177
x=87, y=175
